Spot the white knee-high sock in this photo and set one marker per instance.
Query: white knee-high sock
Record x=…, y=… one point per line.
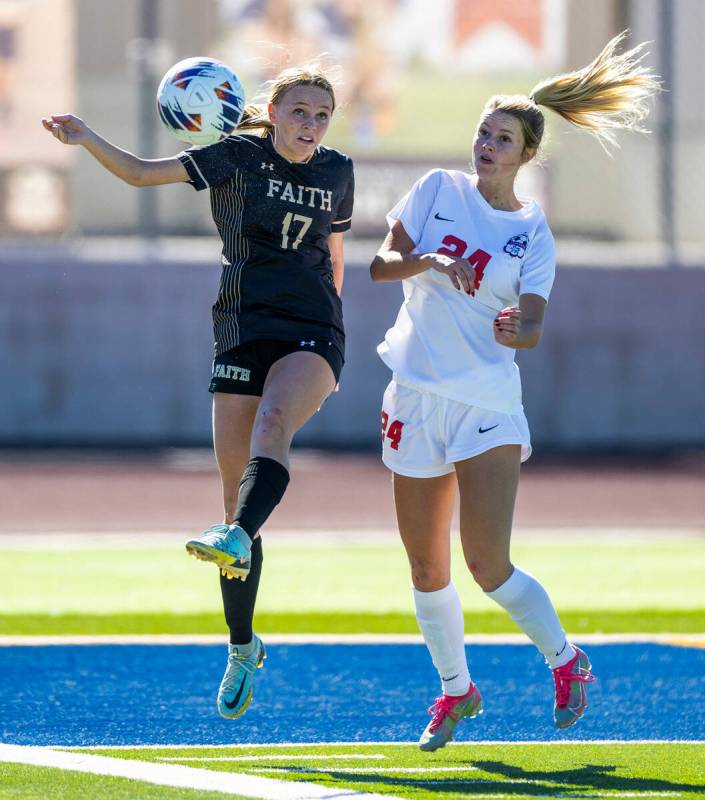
x=528, y=604
x=440, y=618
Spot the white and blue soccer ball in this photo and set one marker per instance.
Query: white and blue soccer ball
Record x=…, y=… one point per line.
x=200, y=100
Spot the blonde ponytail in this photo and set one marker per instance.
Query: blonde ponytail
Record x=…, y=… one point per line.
x=607, y=95
x=610, y=94
x=255, y=117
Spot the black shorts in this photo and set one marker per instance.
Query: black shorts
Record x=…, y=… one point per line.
x=244, y=369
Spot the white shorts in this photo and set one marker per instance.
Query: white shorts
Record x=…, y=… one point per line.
x=424, y=435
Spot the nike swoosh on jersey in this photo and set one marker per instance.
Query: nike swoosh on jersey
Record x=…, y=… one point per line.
x=445, y=219
x=484, y=430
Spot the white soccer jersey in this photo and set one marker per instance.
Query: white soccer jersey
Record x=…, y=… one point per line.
x=442, y=340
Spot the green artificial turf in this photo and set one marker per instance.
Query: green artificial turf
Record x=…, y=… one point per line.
x=673, y=770
x=23, y=782
x=575, y=622
x=597, y=584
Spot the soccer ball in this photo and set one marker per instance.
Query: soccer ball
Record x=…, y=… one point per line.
x=200, y=100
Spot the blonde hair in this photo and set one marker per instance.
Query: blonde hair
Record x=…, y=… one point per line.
x=255, y=116
x=609, y=94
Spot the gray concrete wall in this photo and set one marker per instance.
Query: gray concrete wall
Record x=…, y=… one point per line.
x=96, y=349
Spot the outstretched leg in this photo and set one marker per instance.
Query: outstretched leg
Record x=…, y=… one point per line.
x=233, y=419
x=424, y=508
x=488, y=485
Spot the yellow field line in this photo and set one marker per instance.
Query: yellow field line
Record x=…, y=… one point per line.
x=676, y=639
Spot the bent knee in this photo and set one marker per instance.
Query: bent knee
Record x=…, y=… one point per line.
x=271, y=424
x=428, y=577
x=489, y=576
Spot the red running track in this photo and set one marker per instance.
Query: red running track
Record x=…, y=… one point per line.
x=179, y=490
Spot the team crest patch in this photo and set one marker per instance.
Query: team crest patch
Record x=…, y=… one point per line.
x=516, y=246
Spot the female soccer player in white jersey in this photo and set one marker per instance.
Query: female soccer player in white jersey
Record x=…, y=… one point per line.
x=281, y=202
x=477, y=265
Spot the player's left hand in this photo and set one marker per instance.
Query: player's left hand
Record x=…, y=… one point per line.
x=507, y=326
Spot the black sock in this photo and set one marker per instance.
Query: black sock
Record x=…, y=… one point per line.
x=263, y=484
x=239, y=599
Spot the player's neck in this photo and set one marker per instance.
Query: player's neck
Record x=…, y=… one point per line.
x=288, y=156
x=499, y=194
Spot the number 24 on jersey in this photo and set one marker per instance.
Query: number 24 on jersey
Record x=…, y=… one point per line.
x=456, y=248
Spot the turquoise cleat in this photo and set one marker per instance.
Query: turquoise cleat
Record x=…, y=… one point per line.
x=235, y=693
x=227, y=546
x=447, y=711
x=571, y=697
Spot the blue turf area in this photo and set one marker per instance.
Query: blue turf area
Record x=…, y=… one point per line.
x=158, y=694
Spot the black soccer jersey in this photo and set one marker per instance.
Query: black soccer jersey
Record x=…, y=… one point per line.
x=274, y=218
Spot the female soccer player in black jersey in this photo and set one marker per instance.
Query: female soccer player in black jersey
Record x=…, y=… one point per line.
x=281, y=202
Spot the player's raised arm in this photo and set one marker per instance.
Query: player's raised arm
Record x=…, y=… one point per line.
x=69, y=129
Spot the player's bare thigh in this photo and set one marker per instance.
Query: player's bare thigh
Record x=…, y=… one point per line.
x=488, y=485
x=424, y=509
x=233, y=419
x=296, y=387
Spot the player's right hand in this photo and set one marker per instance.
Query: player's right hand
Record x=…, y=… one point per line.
x=458, y=270
x=67, y=128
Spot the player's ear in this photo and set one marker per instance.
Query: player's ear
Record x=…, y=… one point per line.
x=528, y=154
x=272, y=113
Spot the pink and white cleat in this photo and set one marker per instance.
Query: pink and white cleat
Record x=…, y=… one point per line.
x=447, y=711
x=571, y=697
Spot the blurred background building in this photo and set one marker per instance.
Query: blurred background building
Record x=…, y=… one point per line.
x=105, y=290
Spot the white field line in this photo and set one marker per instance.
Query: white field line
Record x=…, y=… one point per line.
x=243, y=784
x=685, y=639
x=278, y=757
x=482, y=743
x=179, y=776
